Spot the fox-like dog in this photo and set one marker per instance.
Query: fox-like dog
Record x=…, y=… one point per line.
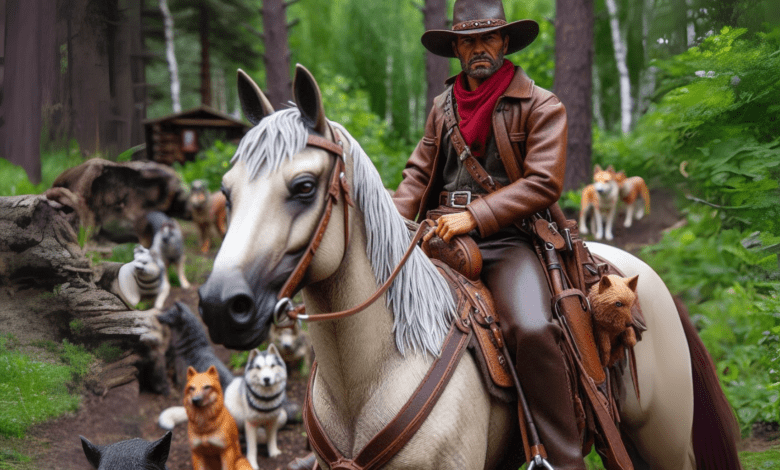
x=208, y=213
x=631, y=191
x=600, y=199
x=294, y=346
x=611, y=301
x=211, y=430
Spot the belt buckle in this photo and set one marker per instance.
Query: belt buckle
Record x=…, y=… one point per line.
x=454, y=194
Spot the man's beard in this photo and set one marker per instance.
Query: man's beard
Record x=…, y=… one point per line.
x=482, y=73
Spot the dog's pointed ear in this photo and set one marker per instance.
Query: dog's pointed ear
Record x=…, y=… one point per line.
x=160, y=449
x=611, y=169
x=252, y=355
x=604, y=284
x=272, y=349
x=253, y=101
x=632, y=283
x=596, y=169
x=309, y=100
x=191, y=372
x=91, y=451
x=212, y=371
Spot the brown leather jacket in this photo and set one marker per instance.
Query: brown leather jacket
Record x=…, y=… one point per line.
x=536, y=127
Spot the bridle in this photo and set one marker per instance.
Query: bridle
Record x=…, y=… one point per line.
x=337, y=187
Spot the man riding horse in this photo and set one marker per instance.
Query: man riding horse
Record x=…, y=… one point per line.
x=507, y=124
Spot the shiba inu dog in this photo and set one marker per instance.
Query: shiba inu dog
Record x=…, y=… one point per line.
x=168, y=243
x=132, y=454
x=208, y=213
x=600, y=199
x=144, y=277
x=611, y=301
x=294, y=346
x=631, y=191
x=211, y=430
x=258, y=399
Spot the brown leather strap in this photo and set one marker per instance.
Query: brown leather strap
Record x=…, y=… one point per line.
x=391, y=439
x=457, y=198
x=505, y=151
x=298, y=311
x=464, y=153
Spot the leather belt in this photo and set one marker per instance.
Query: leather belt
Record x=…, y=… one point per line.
x=457, y=199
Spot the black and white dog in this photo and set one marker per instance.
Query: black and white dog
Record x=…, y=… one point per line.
x=132, y=454
x=258, y=399
x=143, y=278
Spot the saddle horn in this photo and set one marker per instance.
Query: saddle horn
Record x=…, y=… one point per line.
x=253, y=101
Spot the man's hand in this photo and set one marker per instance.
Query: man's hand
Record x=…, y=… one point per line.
x=448, y=226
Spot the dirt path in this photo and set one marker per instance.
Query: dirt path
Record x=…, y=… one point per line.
x=125, y=413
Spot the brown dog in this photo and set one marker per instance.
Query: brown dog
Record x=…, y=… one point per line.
x=611, y=301
x=208, y=213
x=212, y=432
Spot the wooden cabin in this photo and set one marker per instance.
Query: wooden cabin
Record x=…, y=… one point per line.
x=179, y=136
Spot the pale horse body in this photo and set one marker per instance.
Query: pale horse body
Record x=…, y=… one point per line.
x=370, y=363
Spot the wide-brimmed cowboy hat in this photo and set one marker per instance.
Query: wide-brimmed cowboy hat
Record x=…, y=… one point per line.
x=478, y=17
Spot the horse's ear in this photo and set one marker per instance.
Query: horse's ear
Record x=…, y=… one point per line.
x=309, y=100
x=254, y=103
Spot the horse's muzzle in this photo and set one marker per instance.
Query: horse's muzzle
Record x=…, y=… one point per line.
x=227, y=306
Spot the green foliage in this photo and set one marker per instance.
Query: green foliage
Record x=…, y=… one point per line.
x=15, y=182
x=30, y=391
x=767, y=460
x=78, y=358
x=107, y=352
x=210, y=165
x=122, y=253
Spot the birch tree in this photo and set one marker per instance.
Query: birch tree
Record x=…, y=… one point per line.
x=170, y=55
x=621, y=50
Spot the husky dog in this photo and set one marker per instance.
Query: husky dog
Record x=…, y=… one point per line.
x=257, y=399
x=294, y=346
x=132, y=454
x=168, y=243
x=611, y=300
x=601, y=197
x=144, y=277
x=192, y=347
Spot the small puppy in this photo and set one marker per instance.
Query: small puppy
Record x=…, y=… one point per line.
x=258, y=399
x=611, y=301
x=168, y=242
x=144, y=277
x=631, y=191
x=132, y=454
x=212, y=432
x=294, y=346
x=600, y=198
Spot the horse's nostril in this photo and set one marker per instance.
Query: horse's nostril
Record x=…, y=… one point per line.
x=241, y=304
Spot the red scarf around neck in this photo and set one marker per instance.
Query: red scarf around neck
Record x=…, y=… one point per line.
x=476, y=107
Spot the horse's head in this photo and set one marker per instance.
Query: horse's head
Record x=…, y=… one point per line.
x=275, y=192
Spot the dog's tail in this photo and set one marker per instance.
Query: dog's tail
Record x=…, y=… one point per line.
x=172, y=416
x=645, y=195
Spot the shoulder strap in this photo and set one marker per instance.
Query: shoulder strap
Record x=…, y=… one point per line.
x=464, y=153
x=505, y=151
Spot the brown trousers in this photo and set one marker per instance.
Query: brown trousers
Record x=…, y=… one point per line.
x=514, y=275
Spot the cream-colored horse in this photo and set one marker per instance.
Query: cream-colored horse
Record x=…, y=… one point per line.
x=370, y=363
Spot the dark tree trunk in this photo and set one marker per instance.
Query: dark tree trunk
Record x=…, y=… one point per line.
x=30, y=57
x=205, y=65
x=277, y=53
x=437, y=68
x=573, y=83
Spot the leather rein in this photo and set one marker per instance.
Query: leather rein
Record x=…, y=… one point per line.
x=338, y=186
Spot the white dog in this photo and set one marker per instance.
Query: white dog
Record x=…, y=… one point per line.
x=144, y=277
x=257, y=399
x=600, y=199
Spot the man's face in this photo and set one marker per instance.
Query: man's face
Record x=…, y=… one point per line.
x=481, y=54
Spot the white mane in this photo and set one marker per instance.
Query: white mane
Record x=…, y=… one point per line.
x=419, y=297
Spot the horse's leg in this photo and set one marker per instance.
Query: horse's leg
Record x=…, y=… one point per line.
x=660, y=423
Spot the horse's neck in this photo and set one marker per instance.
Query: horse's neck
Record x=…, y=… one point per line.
x=357, y=356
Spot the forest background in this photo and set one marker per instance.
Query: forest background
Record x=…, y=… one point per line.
x=681, y=92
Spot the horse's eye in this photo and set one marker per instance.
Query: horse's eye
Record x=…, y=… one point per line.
x=618, y=304
x=303, y=187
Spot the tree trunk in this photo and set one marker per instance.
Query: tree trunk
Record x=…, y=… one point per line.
x=170, y=54
x=29, y=62
x=437, y=68
x=646, y=86
x=619, y=45
x=277, y=55
x=573, y=75
x=205, y=65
